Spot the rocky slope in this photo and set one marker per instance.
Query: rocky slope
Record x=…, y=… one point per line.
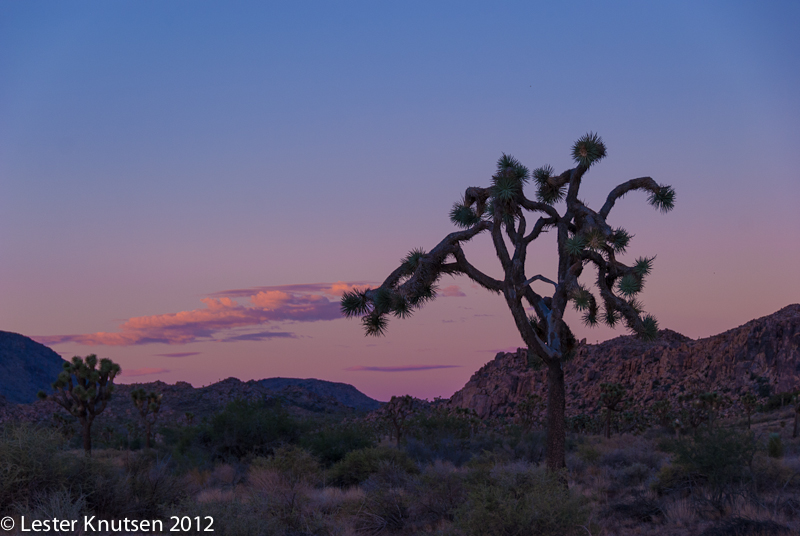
x=765, y=351
x=26, y=367
x=343, y=392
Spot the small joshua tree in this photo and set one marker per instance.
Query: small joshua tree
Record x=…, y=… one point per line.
x=148, y=405
x=528, y=411
x=749, y=402
x=397, y=412
x=584, y=239
x=611, y=396
x=84, y=390
x=662, y=411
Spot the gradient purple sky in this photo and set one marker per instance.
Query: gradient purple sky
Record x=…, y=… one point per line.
x=187, y=187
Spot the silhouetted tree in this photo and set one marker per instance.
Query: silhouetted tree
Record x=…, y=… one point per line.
x=611, y=396
x=148, y=405
x=84, y=390
x=583, y=237
x=528, y=411
x=397, y=412
x=749, y=402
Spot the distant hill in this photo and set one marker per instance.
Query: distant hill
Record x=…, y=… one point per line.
x=759, y=356
x=345, y=393
x=26, y=367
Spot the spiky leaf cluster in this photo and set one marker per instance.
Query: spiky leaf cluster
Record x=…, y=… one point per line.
x=629, y=285
x=575, y=245
x=374, y=325
x=547, y=190
x=643, y=266
x=663, y=199
x=355, y=303
x=619, y=240
x=411, y=261
x=650, y=331
x=463, y=216
x=588, y=150
x=508, y=165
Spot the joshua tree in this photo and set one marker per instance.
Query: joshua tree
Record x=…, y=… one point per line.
x=611, y=396
x=84, y=390
x=662, y=411
x=583, y=237
x=748, y=401
x=148, y=405
x=528, y=411
x=397, y=412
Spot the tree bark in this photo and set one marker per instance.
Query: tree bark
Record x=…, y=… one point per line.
x=556, y=426
x=148, y=434
x=87, y=436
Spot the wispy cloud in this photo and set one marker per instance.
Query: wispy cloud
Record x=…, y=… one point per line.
x=223, y=318
x=260, y=336
x=143, y=371
x=402, y=368
x=453, y=291
x=178, y=354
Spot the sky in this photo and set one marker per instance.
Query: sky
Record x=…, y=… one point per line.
x=188, y=187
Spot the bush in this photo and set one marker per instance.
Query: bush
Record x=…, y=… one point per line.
x=248, y=428
x=294, y=463
x=775, y=446
x=358, y=465
x=332, y=443
x=438, y=492
x=30, y=463
x=717, y=460
x=516, y=499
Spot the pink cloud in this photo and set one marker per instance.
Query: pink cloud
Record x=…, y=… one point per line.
x=402, y=368
x=453, y=291
x=143, y=371
x=328, y=289
x=178, y=354
x=222, y=314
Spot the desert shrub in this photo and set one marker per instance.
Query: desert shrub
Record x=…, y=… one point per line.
x=778, y=401
x=30, y=463
x=358, y=465
x=517, y=499
x=59, y=504
x=248, y=428
x=294, y=463
x=640, y=509
x=383, y=509
x=741, y=526
x=331, y=443
x=775, y=446
x=151, y=486
x=438, y=492
x=716, y=460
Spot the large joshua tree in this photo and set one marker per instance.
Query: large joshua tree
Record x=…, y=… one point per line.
x=84, y=390
x=514, y=221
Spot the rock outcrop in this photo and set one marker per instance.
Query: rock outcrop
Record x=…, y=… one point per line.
x=762, y=352
x=26, y=367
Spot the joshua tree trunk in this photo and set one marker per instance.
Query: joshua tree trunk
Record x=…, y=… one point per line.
x=87, y=436
x=147, y=427
x=556, y=425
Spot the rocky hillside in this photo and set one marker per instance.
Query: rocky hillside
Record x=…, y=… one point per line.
x=343, y=392
x=762, y=352
x=26, y=367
